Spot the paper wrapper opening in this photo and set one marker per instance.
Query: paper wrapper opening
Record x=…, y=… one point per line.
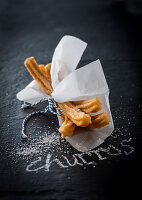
x=70, y=84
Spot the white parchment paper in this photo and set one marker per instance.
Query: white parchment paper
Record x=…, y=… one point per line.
x=70, y=84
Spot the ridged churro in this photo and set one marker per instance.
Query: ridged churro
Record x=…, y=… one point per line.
x=38, y=75
x=99, y=120
x=77, y=116
x=88, y=106
x=67, y=127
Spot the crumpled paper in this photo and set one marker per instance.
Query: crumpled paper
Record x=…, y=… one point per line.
x=71, y=84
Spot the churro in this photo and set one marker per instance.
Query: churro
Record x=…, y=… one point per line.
x=88, y=106
x=46, y=70
x=38, y=75
x=99, y=120
x=67, y=127
x=77, y=116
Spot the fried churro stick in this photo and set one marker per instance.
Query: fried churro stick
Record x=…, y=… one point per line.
x=38, y=75
x=99, y=120
x=77, y=116
x=67, y=127
x=88, y=106
x=46, y=70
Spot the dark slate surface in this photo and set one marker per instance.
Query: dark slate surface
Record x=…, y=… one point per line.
x=112, y=30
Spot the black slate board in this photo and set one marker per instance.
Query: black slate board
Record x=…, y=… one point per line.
x=113, y=34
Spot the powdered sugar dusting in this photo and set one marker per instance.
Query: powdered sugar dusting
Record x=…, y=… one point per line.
x=47, y=141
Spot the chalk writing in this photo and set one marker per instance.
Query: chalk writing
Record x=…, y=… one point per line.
x=79, y=158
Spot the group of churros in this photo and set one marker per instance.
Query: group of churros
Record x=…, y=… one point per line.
x=76, y=113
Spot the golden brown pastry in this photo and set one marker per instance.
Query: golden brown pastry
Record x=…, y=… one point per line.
x=67, y=127
x=99, y=120
x=77, y=116
x=88, y=106
x=38, y=75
